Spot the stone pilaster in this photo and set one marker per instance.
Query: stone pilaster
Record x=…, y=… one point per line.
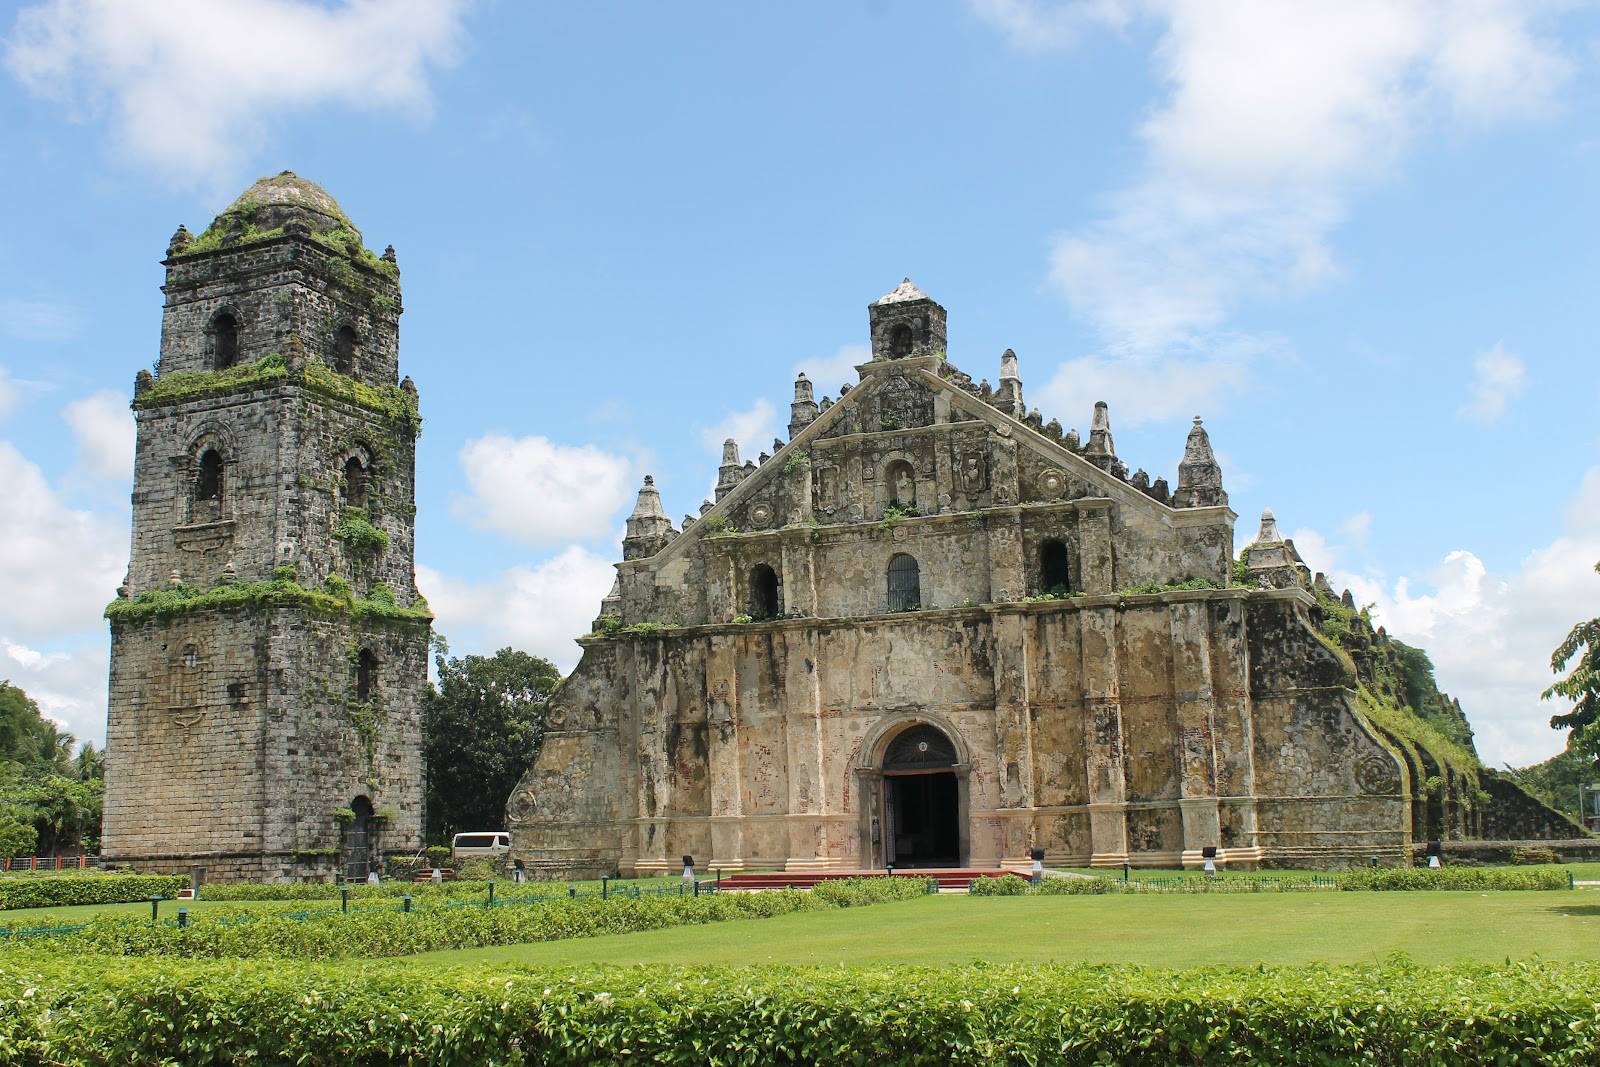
x=1096, y=567
x=1193, y=694
x=1102, y=741
x=722, y=756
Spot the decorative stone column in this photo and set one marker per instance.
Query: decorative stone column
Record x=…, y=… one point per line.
x=722, y=755
x=1196, y=712
x=1102, y=724
x=1096, y=569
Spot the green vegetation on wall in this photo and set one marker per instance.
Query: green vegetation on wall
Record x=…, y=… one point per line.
x=284, y=590
x=390, y=401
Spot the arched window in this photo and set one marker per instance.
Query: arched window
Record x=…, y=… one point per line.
x=763, y=592
x=900, y=340
x=355, y=483
x=208, y=483
x=366, y=674
x=1053, y=573
x=344, y=351
x=225, y=341
x=905, y=586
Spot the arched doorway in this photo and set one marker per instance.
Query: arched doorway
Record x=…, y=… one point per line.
x=358, y=841
x=921, y=799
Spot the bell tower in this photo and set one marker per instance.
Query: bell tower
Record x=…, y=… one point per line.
x=269, y=647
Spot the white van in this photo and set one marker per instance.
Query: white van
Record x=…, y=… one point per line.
x=490, y=844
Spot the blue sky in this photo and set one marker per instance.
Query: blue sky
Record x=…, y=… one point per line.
x=1359, y=238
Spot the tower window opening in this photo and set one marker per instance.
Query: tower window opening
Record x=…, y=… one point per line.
x=225, y=329
x=208, y=486
x=344, y=351
x=355, y=483
x=900, y=340
x=763, y=592
x=1053, y=574
x=905, y=584
x=366, y=674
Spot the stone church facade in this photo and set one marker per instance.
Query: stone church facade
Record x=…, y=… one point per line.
x=933, y=629
x=269, y=647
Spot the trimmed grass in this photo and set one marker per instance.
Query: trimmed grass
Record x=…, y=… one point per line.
x=1175, y=931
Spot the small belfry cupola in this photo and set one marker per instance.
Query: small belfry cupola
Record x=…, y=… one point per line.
x=649, y=529
x=906, y=322
x=1199, y=476
x=1271, y=559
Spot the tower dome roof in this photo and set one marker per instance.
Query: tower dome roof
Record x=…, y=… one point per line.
x=286, y=197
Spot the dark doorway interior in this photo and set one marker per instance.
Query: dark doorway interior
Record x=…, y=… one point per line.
x=924, y=816
x=358, y=841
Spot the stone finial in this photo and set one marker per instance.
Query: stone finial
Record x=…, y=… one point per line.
x=1269, y=529
x=1347, y=600
x=180, y=240
x=649, y=529
x=764, y=458
x=1102, y=448
x=408, y=386
x=827, y=402
x=1053, y=429
x=803, y=411
x=777, y=445
x=705, y=506
x=142, y=381
x=1159, y=491
x=1271, y=559
x=125, y=588
x=1072, y=441
x=985, y=390
x=843, y=389
x=1199, y=476
x=688, y=521
x=1008, y=398
x=175, y=578
x=388, y=254
x=730, y=452
x=1321, y=585
x=730, y=473
x=229, y=575
x=1141, y=480
x=1035, y=419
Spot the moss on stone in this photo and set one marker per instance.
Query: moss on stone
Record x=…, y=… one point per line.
x=282, y=591
x=390, y=401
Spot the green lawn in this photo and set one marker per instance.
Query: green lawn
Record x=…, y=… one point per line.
x=1167, y=931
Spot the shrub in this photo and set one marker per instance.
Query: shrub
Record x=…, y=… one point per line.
x=217, y=1012
x=1469, y=878
x=68, y=890
x=1534, y=855
x=1007, y=885
x=328, y=934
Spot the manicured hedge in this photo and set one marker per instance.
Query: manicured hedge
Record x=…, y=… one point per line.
x=329, y=935
x=66, y=890
x=1367, y=879
x=1413, y=878
x=224, y=1012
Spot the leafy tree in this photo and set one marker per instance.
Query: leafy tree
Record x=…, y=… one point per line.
x=1581, y=685
x=50, y=799
x=482, y=728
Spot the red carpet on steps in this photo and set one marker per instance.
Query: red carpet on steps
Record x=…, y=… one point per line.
x=947, y=877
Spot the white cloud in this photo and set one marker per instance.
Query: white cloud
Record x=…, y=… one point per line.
x=1490, y=634
x=1358, y=526
x=191, y=84
x=539, y=608
x=1497, y=378
x=58, y=566
x=754, y=428
x=104, y=428
x=538, y=492
x=69, y=686
x=38, y=320
x=1138, y=391
x=827, y=373
x=1034, y=25
x=1275, y=115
